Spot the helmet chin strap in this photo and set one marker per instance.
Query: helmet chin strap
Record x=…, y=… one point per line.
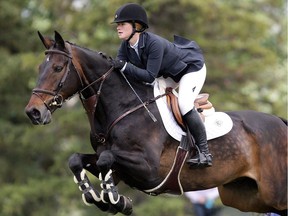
x=133, y=32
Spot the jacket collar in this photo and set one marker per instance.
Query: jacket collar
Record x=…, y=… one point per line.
x=141, y=43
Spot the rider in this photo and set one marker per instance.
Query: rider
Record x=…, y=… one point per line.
x=145, y=56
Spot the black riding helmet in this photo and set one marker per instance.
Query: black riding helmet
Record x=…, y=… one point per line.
x=132, y=13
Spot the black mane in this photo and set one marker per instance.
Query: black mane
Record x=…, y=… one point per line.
x=104, y=55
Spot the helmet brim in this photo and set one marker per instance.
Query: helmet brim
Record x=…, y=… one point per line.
x=120, y=21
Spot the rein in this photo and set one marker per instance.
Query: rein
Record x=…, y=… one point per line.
x=144, y=104
x=90, y=105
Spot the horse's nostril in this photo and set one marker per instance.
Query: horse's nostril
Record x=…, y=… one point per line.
x=34, y=114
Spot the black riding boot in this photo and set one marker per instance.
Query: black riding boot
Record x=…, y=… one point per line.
x=197, y=129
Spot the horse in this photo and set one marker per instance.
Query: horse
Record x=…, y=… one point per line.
x=249, y=162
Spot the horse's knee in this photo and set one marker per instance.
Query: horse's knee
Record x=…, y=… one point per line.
x=75, y=163
x=105, y=161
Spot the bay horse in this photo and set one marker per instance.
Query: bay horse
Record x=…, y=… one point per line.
x=249, y=163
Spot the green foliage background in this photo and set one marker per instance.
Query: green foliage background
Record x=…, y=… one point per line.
x=245, y=45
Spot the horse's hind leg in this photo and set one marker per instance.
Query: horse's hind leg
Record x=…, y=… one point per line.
x=109, y=191
x=78, y=163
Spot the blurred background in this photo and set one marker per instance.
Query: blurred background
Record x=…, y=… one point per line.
x=245, y=46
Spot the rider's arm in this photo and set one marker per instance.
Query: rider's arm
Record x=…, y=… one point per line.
x=155, y=56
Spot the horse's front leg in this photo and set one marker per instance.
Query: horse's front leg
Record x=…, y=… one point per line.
x=109, y=191
x=78, y=164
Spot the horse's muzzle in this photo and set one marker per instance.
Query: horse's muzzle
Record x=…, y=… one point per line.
x=38, y=116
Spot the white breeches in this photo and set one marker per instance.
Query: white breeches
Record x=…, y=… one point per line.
x=190, y=86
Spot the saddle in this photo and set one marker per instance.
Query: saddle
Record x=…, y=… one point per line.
x=201, y=103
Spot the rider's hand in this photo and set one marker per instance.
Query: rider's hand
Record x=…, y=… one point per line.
x=117, y=64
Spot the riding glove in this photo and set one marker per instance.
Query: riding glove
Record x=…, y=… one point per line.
x=117, y=64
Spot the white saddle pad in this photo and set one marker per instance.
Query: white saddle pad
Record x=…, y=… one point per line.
x=216, y=123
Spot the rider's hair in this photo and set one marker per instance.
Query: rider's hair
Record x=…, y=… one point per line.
x=139, y=27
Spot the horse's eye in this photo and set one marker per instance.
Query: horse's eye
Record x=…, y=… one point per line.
x=58, y=69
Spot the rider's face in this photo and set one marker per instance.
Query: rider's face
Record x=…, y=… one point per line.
x=124, y=30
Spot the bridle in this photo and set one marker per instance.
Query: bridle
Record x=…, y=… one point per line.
x=58, y=99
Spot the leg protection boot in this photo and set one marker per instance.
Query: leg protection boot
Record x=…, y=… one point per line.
x=197, y=130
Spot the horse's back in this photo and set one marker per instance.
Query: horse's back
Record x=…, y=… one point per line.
x=265, y=129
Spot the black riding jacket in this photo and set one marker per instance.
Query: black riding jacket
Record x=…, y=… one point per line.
x=160, y=57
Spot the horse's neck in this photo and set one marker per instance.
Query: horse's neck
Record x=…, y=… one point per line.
x=93, y=64
x=116, y=96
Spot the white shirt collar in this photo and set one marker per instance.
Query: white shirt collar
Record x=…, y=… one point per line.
x=135, y=46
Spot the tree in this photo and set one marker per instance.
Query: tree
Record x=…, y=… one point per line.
x=245, y=51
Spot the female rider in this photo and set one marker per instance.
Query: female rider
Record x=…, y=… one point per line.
x=145, y=56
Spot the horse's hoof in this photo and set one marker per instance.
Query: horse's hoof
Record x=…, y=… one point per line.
x=128, y=208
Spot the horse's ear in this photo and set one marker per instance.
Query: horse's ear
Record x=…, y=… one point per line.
x=46, y=41
x=59, y=40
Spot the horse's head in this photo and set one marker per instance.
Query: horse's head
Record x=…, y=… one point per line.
x=54, y=72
